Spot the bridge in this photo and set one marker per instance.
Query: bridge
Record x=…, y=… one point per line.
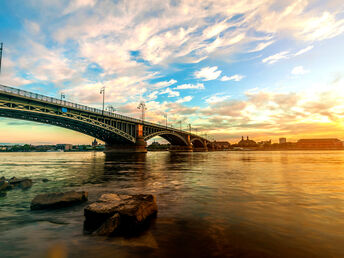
x=120, y=133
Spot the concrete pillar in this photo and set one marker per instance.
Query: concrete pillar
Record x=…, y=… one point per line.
x=177, y=148
x=140, y=146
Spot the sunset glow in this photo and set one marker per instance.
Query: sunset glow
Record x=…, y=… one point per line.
x=266, y=69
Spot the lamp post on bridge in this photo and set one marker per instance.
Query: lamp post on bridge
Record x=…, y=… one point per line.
x=143, y=108
x=166, y=118
x=1, y=47
x=62, y=96
x=190, y=128
x=102, y=91
x=180, y=124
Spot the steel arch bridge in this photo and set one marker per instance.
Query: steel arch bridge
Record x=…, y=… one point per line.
x=120, y=133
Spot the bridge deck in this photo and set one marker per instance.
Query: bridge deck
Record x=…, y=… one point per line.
x=67, y=104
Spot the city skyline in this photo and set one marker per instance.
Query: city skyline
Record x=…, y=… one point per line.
x=267, y=69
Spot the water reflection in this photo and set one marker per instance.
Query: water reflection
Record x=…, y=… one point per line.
x=210, y=204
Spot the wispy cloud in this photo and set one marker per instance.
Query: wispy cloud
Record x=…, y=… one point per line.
x=199, y=86
x=236, y=77
x=216, y=98
x=299, y=70
x=171, y=93
x=163, y=84
x=276, y=57
x=304, y=50
x=208, y=73
x=185, y=99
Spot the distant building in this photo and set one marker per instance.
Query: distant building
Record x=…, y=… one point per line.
x=320, y=144
x=282, y=140
x=247, y=142
x=264, y=143
x=222, y=145
x=65, y=147
x=95, y=143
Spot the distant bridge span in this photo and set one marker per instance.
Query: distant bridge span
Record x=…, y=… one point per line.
x=120, y=133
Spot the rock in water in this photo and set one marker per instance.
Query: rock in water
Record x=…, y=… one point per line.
x=109, y=226
x=58, y=200
x=23, y=183
x=119, y=214
x=4, y=185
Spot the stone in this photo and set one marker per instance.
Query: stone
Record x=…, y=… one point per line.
x=4, y=186
x=23, y=183
x=109, y=226
x=44, y=180
x=58, y=200
x=119, y=214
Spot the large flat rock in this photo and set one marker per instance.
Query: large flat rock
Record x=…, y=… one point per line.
x=119, y=214
x=58, y=200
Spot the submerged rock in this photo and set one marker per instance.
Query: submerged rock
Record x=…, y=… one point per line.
x=119, y=214
x=4, y=185
x=44, y=180
x=58, y=200
x=23, y=183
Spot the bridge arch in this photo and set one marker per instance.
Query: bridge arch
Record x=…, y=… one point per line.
x=172, y=137
x=96, y=129
x=198, y=143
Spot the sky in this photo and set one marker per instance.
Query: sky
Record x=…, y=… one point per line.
x=264, y=69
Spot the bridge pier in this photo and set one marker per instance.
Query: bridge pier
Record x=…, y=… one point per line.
x=139, y=147
x=202, y=149
x=177, y=148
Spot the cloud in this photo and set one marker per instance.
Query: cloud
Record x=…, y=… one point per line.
x=299, y=70
x=78, y=4
x=276, y=57
x=285, y=55
x=170, y=93
x=262, y=45
x=304, y=50
x=163, y=84
x=216, y=98
x=301, y=20
x=185, y=99
x=199, y=86
x=153, y=95
x=208, y=73
x=236, y=77
x=292, y=114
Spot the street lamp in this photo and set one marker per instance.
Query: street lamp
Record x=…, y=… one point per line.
x=190, y=128
x=62, y=96
x=180, y=124
x=102, y=91
x=166, y=118
x=143, y=108
x=1, y=47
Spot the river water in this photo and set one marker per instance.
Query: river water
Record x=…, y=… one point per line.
x=242, y=204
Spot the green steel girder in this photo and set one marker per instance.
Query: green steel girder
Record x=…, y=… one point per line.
x=52, y=114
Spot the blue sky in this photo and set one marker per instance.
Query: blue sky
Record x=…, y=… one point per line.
x=266, y=69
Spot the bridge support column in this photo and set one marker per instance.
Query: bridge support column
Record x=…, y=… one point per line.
x=139, y=147
x=177, y=148
x=211, y=147
x=202, y=149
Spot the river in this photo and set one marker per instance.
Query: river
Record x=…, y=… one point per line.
x=225, y=204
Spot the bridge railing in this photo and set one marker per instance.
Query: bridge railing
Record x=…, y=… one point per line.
x=64, y=103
